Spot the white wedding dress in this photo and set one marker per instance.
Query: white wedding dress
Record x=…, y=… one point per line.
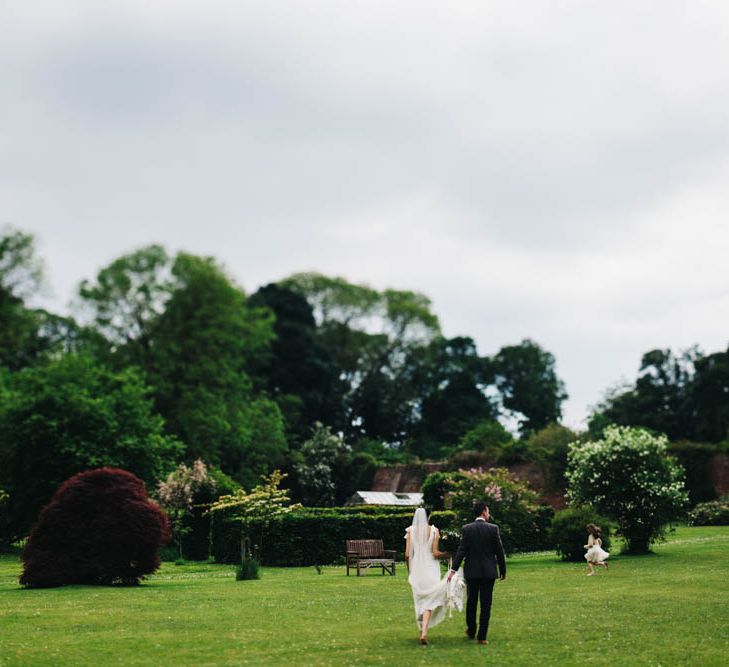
x=430, y=590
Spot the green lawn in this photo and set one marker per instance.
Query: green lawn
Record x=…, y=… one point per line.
x=670, y=608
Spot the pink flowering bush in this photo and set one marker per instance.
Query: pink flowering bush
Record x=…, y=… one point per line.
x=523, y=523
x=185, y=495
x=181, y=485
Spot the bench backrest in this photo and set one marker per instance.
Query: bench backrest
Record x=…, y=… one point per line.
x=366, y=548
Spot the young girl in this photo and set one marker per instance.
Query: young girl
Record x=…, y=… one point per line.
x=595, y=555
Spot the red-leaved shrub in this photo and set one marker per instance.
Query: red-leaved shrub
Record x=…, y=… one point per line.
x=99, y=528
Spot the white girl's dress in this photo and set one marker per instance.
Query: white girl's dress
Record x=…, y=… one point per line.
x=595, y=552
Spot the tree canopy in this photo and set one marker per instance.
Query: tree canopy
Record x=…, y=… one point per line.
x=70, y=415
x=684, y=395
x=527, y=379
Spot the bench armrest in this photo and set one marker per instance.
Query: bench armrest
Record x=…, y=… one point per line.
x=390, y=552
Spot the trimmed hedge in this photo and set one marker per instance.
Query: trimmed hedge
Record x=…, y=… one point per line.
x=313, y=536
x=532, y=535
x=196, y=541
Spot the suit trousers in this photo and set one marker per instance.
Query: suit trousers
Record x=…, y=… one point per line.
x=479, y=588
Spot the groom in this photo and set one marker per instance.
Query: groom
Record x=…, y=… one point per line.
x=481, y=547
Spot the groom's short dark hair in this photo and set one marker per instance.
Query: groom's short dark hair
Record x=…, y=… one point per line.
x=479, y=509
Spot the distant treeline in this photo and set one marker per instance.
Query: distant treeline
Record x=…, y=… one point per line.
x=167, y=359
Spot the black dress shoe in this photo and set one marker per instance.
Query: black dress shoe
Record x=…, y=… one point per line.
x=469, y=635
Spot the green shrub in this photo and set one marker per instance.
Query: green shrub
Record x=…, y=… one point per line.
x=311, y=536
x=169, y=553
x=434, y=489
x=247, y=569
x=714, y=513
x=568, y=531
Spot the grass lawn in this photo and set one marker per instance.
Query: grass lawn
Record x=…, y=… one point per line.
x=669, y=608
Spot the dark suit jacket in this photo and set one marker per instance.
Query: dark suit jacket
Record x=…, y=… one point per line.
x=481, y=547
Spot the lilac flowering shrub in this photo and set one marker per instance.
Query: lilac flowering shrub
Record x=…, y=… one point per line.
x=629, y=477
x=177, y=496
x=185, y=495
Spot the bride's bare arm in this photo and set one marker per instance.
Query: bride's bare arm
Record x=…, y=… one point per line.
x=436, y=552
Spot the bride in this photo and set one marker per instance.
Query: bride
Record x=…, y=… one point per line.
x=430, y=590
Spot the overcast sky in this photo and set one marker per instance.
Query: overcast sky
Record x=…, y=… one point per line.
x=551, y=170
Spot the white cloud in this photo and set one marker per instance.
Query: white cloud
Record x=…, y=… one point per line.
x=546, y=170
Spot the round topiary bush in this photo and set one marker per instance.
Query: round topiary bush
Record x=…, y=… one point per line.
x=99, y=528
x=568, y=531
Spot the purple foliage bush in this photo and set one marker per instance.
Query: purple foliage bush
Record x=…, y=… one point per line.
x=99, y=528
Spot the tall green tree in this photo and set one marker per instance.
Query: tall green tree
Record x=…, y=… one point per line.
x=488, y=437
x=527, y=381
x=451, y=380
x=370, y=334
x=201, y=350
x=69, y=415
x=299, y=372
x=315, y=472
x=126, y=299
x=21, y=271
x=660, y=398
x=21, y=274
x=31, y=335
x=708, y=398
x=549, y=448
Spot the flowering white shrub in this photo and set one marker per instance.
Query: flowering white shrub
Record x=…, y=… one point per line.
x=256, y=510
x=314, y=472
x=629, y=476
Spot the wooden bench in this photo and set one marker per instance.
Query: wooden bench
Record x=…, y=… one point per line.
x=363, y=554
